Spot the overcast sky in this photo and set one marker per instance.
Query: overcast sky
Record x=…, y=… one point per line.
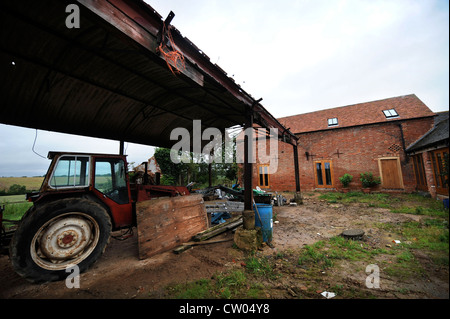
x=299, y=56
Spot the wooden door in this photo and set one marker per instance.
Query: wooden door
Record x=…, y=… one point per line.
x=419, y=172
x=391, y=175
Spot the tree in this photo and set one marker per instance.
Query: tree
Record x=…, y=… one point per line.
x=169, y=170
x=194, y=171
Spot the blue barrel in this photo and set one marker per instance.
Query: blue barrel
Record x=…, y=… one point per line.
x=266, y=223
x=445, y=201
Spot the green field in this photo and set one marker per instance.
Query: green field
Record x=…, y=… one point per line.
x=16, y=205
x=31, y=183
x=12, y=199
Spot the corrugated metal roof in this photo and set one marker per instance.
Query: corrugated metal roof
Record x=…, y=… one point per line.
x=105, y=79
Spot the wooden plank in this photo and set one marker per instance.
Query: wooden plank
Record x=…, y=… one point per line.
x=218, y=229
x=166, y=223
x=207, y=242
x=190, y=244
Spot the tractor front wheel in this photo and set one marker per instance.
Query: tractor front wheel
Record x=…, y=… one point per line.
x=58, y=235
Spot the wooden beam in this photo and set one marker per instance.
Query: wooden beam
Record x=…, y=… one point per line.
x=298, y=195
x=296, y=169
x=218, y=229
x=120, y=19
x=248, y=159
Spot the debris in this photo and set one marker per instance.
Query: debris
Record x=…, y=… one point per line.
x=181, y=248
x=218, y=229
x=190, y=244
x=396, y=241
x=328, y=295
x=292, y=204
x=219, y=218
x=388, y=245
x=228, y=206
x=291, y=292
x=279, y=200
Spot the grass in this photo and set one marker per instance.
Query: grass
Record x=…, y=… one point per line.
x=15, y=207
x=355, y=197
x=424, y=246
x=224, y=285
x=430, y=234
x=396, y=203
x=232, y=284
x=12, y=199
x=260, y=267
x=324, y=253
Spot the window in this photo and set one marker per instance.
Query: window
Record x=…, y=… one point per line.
x=110, y=179
x=438, y=163
x=263, y=176
x=71, y=171
x=323, y=173
x=333, y=121
x=390, y=113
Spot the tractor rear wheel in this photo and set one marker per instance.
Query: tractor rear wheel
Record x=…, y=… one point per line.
x=59, y=235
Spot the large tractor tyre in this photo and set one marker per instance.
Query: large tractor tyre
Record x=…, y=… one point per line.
x=58, y=235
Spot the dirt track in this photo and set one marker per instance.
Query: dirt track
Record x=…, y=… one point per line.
x=120, y=274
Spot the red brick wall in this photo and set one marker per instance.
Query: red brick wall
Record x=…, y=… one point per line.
x=359, y=147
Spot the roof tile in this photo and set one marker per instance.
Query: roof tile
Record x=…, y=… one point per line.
x=407, y=107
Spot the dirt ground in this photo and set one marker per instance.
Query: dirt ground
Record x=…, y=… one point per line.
x=119, y=274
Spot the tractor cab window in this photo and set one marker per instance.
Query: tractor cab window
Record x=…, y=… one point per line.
x=110, y=179
x=70, y=171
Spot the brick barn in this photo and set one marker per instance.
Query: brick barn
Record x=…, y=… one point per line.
x=366, y=137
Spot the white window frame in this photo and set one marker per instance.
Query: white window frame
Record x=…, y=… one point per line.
x=333, y=121
x=71, y=186
x=390, y=113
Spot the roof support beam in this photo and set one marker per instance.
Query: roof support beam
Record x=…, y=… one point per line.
x=248, y=160
x=133, y=30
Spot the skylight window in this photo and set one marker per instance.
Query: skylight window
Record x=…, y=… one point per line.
x=390, y=113
x=333, y=121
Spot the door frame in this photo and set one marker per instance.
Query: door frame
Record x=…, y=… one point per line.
x=266, y=177
x=316, y=183
x=399, y=170
x=419, y=172
x=436, y=167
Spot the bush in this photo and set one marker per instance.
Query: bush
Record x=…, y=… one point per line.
x=346, y=179
x=14, y=189
x=368, y=180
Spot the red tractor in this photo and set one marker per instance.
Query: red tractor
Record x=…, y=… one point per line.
x=83, y=198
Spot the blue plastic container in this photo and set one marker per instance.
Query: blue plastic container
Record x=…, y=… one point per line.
x=445, y=201
x=266, y=223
